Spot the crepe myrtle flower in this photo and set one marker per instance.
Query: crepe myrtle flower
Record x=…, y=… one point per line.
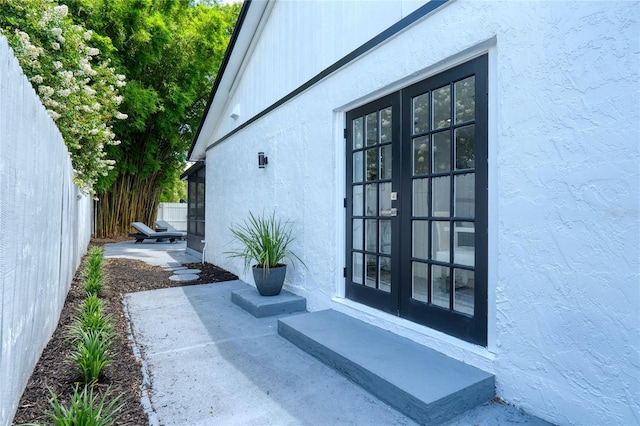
x=61, y=10
x=78, y=88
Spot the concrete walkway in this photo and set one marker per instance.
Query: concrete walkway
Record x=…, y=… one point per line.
x=206, y=361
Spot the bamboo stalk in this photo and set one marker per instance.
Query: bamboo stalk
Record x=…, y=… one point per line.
x=132, y=198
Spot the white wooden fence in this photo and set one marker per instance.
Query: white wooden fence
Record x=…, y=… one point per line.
x=175, y=214
x=45, y=226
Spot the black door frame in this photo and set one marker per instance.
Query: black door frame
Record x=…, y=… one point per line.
x=399, y=301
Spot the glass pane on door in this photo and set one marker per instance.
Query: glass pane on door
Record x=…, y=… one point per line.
x=371, y=271
x=465, y=147
x=356, y=268
x=440, y=286
x=465, y=103
x=441, y=107
x=463, y=298
x=384, y=274
x=420, y=282
x=421, y=155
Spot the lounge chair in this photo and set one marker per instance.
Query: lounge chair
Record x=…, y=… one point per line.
x=146, y=233
x=163, y=225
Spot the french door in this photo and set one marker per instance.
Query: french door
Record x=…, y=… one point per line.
x=416, y=206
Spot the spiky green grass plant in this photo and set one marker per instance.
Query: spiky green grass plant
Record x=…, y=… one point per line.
x=89, y=317
x=91, y=355
x=90, y=335
x=90, y=320
x=94, y=275
x=265, y=239
x=86, y=409
x=93, y=285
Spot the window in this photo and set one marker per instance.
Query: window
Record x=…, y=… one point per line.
x=196, y=209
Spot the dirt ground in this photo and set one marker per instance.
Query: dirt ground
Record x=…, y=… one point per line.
x=123, y=375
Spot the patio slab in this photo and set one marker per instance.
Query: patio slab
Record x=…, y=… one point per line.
x=159, y=254
x=211, y=363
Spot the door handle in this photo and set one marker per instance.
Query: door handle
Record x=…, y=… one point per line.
x=391, y=212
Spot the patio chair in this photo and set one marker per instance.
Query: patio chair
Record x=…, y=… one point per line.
x=146, y=233
x=163, y=225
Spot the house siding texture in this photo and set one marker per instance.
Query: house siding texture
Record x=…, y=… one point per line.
x=564, y=202
x=45, y=227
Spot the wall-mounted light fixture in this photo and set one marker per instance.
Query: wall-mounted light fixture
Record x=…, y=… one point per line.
x=235, y=114
x=262, y=160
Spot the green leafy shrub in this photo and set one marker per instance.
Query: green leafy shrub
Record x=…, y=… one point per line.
x=86, y=409
x=92, y=305
x=94, y=258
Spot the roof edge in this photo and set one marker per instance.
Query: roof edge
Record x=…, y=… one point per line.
x=234, y=37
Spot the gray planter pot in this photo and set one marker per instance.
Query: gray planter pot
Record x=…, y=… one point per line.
x=269, y=284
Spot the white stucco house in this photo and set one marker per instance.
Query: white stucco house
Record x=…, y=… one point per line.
x=465, y=174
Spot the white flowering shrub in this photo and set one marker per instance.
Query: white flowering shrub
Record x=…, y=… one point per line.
x=79, y=88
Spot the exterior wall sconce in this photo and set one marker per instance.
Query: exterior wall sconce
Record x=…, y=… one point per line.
x=235, y=114
x=262, y=160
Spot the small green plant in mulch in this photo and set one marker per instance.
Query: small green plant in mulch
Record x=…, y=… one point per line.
x=86, y=409
x=90, y=335
x=90, y=318
x=94, y=274
x=91, y=355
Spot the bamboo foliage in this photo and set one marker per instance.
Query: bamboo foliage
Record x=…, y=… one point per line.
x=132, y=198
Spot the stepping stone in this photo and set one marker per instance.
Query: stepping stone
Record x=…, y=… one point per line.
x=184, y=277
x=175, y=268
x=187, y=271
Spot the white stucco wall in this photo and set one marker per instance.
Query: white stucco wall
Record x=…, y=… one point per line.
x=564, y=198
x=45, y=227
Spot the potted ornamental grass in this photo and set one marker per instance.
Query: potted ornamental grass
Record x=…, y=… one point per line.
x=265, y=240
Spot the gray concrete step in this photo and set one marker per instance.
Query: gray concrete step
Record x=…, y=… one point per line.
x=259, y=306
x=424, y=384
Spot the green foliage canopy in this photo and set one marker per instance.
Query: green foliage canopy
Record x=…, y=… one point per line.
x=171, y=51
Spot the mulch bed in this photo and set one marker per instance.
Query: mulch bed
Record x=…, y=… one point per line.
x=123, y=376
